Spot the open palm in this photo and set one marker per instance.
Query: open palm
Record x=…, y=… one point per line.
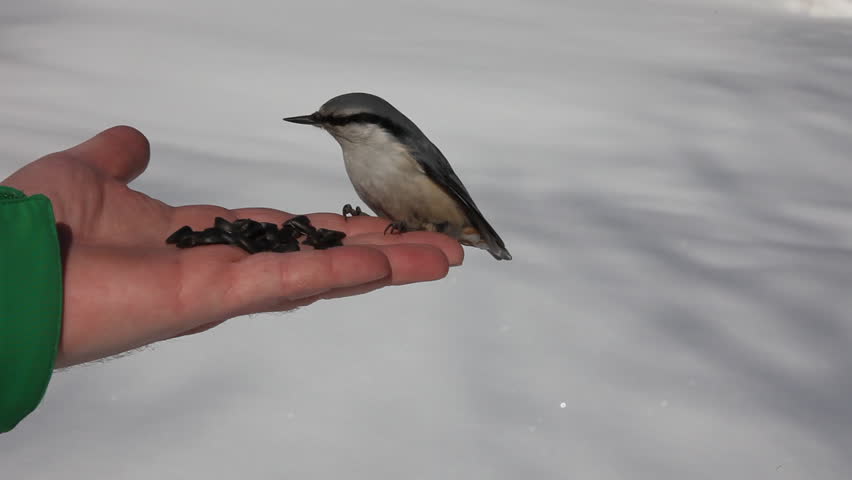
x=124, y=287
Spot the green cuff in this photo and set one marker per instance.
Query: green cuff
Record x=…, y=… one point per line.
x=30, y=302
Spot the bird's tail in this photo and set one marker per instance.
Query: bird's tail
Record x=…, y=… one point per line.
x=489, y=240
x=497, y=249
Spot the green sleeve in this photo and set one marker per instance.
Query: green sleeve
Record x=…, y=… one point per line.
x=30, y=302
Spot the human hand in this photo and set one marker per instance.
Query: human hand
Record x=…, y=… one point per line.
x=125, y=288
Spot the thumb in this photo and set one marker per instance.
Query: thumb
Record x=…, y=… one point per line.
x=121, y=152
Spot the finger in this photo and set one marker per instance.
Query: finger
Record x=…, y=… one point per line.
x=451, y=249
x=267, y=281
x=273, y=281
x=336, y=293
x=202, y=328
x=304, y=302
x=356, y=290
x=415, y=263
x=262, y=214
x=121, y=152
x=409, y=264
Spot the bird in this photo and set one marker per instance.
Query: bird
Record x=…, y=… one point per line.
x=399, y=173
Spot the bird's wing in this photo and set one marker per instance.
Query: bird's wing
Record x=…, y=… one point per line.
x=436, y=166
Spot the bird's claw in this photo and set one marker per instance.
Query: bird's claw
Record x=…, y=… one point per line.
x=348, y=211
x=396, y=228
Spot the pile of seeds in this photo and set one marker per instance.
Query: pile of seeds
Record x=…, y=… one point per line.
x=254, y=237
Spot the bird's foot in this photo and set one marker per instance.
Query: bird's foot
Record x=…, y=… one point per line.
x=396, y=228
x=348, y=211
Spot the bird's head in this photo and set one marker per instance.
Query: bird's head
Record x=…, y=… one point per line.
x=360, y=118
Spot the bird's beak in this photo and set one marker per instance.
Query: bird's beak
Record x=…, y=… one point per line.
x=304, y=119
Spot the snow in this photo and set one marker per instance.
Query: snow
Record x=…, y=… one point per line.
x=673, y=181
x=822, y=8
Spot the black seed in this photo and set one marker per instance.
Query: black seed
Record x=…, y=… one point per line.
x=179, y=234
x=246, y=244
x=253, y=230
x=322, y=239
x=247, y=227
x=330, y=235
x=228, y=237
x=253, y=236
x=210, y=236
x=288, y=232
x=301, y=224
x=263, y=244
x=223, y=224
x=326, y=245
x=187, y=242
x=286, y=247
x=270, y=232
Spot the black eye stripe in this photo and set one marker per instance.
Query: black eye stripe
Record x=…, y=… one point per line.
x=371, y=118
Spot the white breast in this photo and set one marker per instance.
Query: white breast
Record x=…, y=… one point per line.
x=391, y=182
x=381, y=170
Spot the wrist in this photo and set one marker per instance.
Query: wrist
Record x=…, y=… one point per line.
x=30, y=302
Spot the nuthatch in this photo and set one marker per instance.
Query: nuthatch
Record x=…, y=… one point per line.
x=399, y=173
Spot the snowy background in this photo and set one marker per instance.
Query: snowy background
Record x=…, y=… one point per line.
x=673, y=178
